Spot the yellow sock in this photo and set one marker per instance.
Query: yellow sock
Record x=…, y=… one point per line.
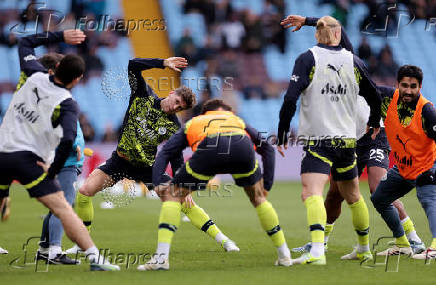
x=270, y=223
x=169, y=220
x=201, y=220
x=433, y=243
x=402, y=241
x=85, y=209
x=360, y=217
x=408, y=226
x=316, y=217
x=327, y=231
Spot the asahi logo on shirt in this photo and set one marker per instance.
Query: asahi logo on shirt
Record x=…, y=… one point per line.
x=24, y=113
x=332, y=89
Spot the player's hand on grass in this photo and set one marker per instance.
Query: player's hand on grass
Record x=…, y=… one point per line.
x=175, y=63
x=43, y=165
x=296, y=21
x=74, y=37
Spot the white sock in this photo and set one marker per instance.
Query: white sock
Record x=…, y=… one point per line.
x=53, y=251
x=93, y=255
x=404, y=220
x=220, y=237
x=163, y=250
x=317, y=249
x=413, y=236
x=43, y=250
x=283, y=251
x=362, y=248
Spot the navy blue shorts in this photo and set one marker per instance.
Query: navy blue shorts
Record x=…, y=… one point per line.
x=220, y=155
x=373, y=152
x=340, y=162
x=21, y=166
x=119, y=168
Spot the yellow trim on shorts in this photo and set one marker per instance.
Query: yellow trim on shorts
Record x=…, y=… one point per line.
x=325, y=159
x=227, y=134
x=196, y=175
x=243, y=175
x=345, y=169
x=341, y=143
x=4, y=187
x=35, y=182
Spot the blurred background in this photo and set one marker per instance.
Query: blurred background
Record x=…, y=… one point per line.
x=236, y=49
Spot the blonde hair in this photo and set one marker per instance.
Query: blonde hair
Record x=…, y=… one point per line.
x=325, y=30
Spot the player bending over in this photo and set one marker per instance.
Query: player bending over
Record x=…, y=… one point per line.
x=148, y=122
x=222, y=144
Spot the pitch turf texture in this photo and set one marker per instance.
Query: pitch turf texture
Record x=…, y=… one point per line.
x=196, y=259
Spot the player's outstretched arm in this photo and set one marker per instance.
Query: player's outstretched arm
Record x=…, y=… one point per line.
x=175, y=63
x=26, y=47
x=296, y=21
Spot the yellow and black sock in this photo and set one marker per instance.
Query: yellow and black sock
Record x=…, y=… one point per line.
x=316, y=217
x=85, y=209
x=201, y=220
x=360, y=217
x=169, y=221
x=270, y=223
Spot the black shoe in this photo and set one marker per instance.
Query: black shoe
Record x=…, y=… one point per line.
x=63, y=259
x=41, y=256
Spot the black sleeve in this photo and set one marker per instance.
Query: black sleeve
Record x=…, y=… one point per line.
x=26, y=50
x=176, y=162
x=429, y=120
x=69, y=113
x=138, y=86
x=368, y=90
x=173, y=148
x=311, y=21
x=345, y=41
x=386, y=91
x=268, y=156
x=299, y=81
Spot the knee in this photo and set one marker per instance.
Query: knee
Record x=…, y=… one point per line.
x=86, y=190
x=377, y=201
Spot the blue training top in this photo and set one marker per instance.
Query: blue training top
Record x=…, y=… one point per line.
x=79, y=141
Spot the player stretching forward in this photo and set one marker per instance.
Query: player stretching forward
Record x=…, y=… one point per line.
x=330, y=78
x=409, y=120
x=222, y=144
x=148, y=122
x=373, y=154
x=30, y=137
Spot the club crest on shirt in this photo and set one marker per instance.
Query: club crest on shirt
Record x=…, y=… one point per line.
x=162, y=130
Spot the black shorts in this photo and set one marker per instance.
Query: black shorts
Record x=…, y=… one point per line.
x=118, y=168
x=220, y=155
x=21, y=166
x=340, y=162
x=373, y=152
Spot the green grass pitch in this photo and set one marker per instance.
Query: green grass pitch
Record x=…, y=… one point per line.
x=196, y=259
